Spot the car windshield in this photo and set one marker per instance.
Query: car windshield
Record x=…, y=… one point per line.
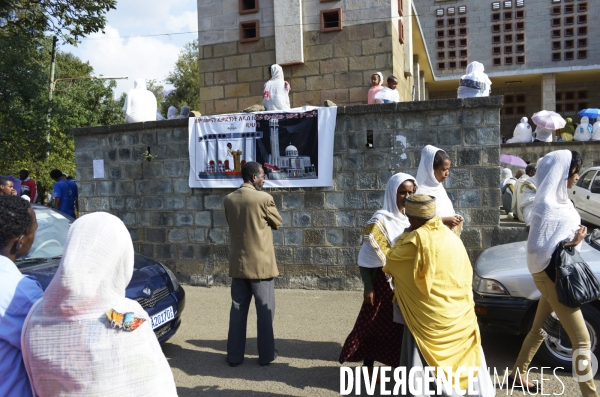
x=50, y=236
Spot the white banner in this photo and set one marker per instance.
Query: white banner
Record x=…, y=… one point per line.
x=294, y=147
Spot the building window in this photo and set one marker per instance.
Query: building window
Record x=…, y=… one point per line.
x=569, y=56
x=451, y=22
x=462, y=42
x=440, y=44
x=520, y=48
x=508, y=49
x=508, y=27
x=569, y=20
x=520, y=98
x=520, y=14
x=451, y=32
x=556, y=11
x=451, y=54
x=400, y=31
x=496, y=39
x=508, y=38
x=508, y=60
x=462, y=31
x=248, y=6
x=509, y=111
x=582, y=54
x=569, y=8
x=582, y=18
x=496, y=28
x=439, y=23
x=451, y=43
x=440, y=34
x=581, y=106
x=452, y=64
x=441, y=65
x=464, y=63
x=558, y=96
x=556, y=56
x=507, y=15
x=569, y=43
x=439, y=13
x=581, y=42
x=556, y=34
x=497, y=61
x=496, y=50
x=463, y=53
x=569, y=107
x=582, y=94
x=462, y=21
x=508, y=4
x=331, y=20
x=520, y=3
x=462, y=9
x=451, y=11
x=495, y=6
x=520, y=25
x=582, y=7
x=555, y=21
x=249, y=31
x=556, y=45
x=569, y=32
x=520, y=37
x=496, y=17
x=569, y=95
x=559, y=108
x=441, y=55
x=520, y=61
x=582, y=30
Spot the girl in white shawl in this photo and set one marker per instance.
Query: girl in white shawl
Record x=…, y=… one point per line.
x=434, y=169
x=69, y=345
x=554, y=219
x=475, y=83
x=376, y=337
x=276, y=90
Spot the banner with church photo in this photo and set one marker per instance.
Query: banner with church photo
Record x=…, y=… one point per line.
x=294, y=147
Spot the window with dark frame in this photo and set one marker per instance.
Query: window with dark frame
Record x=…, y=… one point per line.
x=582, y=31
x=497, y=61
x=556, y=45
x=441, y=44
x=496, y=50
x=582, y=42
x=441, y=55
x=451, y=54
x=581, y=19
x=582, y=94
x=582, y=7
x=569, y=55
x=520, y=14
x=439, y=23
x=569, y=95
x=581, y=106
x=439, y=34
x=569, y=32
x=452, y=65
x=451, y=11
x=462, y=42
x=520, y=48
x=520, y=25
x=582, y=54
x=463, y=63
x=508, y=27
x=331, y=20
x=521, y=59
x=400, y=31
x=462, y=31
x=508, y=49
x=463, y=53
x=559, y=108
x=558, y=96
x=508, y=60
x=441, y=65
x=569, y=107
x=462, y=21
x=520, y=98
x=496, y=17
x=556, y=34
x=556, y=56
x=569, y=20
x=247, y=6
x=555, y=21
x=496, y=39
x=496, y=28
x=569, y=8
x=462, y=9
x=495, y=5
x=520, y=37
x=508, y=15
x=520, y=3
x=439, y=12
x=451, y=22
x=249, y=31
x=451, y=43
x=556, y=10
x=521, y=109
x=569, y=43
x=451, y=32
x=508, y=38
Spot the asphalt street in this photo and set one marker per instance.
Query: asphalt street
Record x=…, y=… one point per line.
x=310, y=328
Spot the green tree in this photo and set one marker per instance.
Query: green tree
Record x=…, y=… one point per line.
x=186, y=79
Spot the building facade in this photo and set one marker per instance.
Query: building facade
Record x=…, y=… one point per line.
x=539, y=54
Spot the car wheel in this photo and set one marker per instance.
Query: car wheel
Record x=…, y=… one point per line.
x=556, y=349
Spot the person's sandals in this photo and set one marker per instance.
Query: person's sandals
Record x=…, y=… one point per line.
x=532, y=388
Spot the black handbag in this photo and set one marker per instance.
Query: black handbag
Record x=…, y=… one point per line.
x=575, y=282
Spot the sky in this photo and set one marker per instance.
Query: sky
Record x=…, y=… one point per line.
x=123, y=51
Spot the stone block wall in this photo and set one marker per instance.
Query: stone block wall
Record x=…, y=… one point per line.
x=338, y=66
x=318, y=242
x=590, y=151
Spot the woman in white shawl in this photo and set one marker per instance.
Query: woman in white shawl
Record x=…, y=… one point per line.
x=554, y=219
x=433, y=171
x=70, y=347
x=475, y=83
x=276, y=90
x=376, y=337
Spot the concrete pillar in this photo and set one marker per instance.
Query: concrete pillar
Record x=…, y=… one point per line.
x=408, y=47
x=548, y=92
x=426, y=90
x=417, y=79
x=422, y=89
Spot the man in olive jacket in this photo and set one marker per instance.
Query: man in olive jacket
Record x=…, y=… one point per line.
x=251, y=214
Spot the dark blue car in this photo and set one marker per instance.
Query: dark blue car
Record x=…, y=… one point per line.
x=153, y=285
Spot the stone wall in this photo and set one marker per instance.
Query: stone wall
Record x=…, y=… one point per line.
x=338, y=66
x=318, y=242
x=590, y=151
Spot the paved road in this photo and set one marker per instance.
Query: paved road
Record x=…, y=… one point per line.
x=310, y=327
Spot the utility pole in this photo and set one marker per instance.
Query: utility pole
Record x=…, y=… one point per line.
x=50, y=92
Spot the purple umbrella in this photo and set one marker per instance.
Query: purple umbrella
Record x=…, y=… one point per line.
x=512, y=160
x=548, y=119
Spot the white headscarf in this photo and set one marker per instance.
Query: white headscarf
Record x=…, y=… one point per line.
x=185, y=112
x=475, y=83
x=583, y=132
x=69, y=346
x=522, y=132
x=140, y=104
x=275, y=93
x=506, y=175
x=171, y=113
x=429, y=185
x=543, y=134
x=553, y=217
x=596, y=131
x=390, y=221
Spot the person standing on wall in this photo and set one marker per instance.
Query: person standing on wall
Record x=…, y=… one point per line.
x=65, y=193
x=251, y=215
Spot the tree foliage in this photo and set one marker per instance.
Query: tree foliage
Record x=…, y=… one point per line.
x=186, y=79
x=69, y=20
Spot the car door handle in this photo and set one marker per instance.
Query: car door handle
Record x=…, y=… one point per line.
x=573, y=191
x=588, y=197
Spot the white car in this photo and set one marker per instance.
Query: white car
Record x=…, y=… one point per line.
x=506, y=299
x=586, y=195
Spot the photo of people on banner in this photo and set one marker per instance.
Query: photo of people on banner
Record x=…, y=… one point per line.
x=295, y=148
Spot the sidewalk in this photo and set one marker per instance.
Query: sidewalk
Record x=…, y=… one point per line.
x=310, y=328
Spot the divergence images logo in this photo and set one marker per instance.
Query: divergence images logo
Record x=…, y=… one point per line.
x=581, y=359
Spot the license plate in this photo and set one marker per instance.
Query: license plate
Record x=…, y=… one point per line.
x=163, y=317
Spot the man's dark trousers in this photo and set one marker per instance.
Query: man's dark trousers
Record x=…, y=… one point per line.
x=242, y=291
